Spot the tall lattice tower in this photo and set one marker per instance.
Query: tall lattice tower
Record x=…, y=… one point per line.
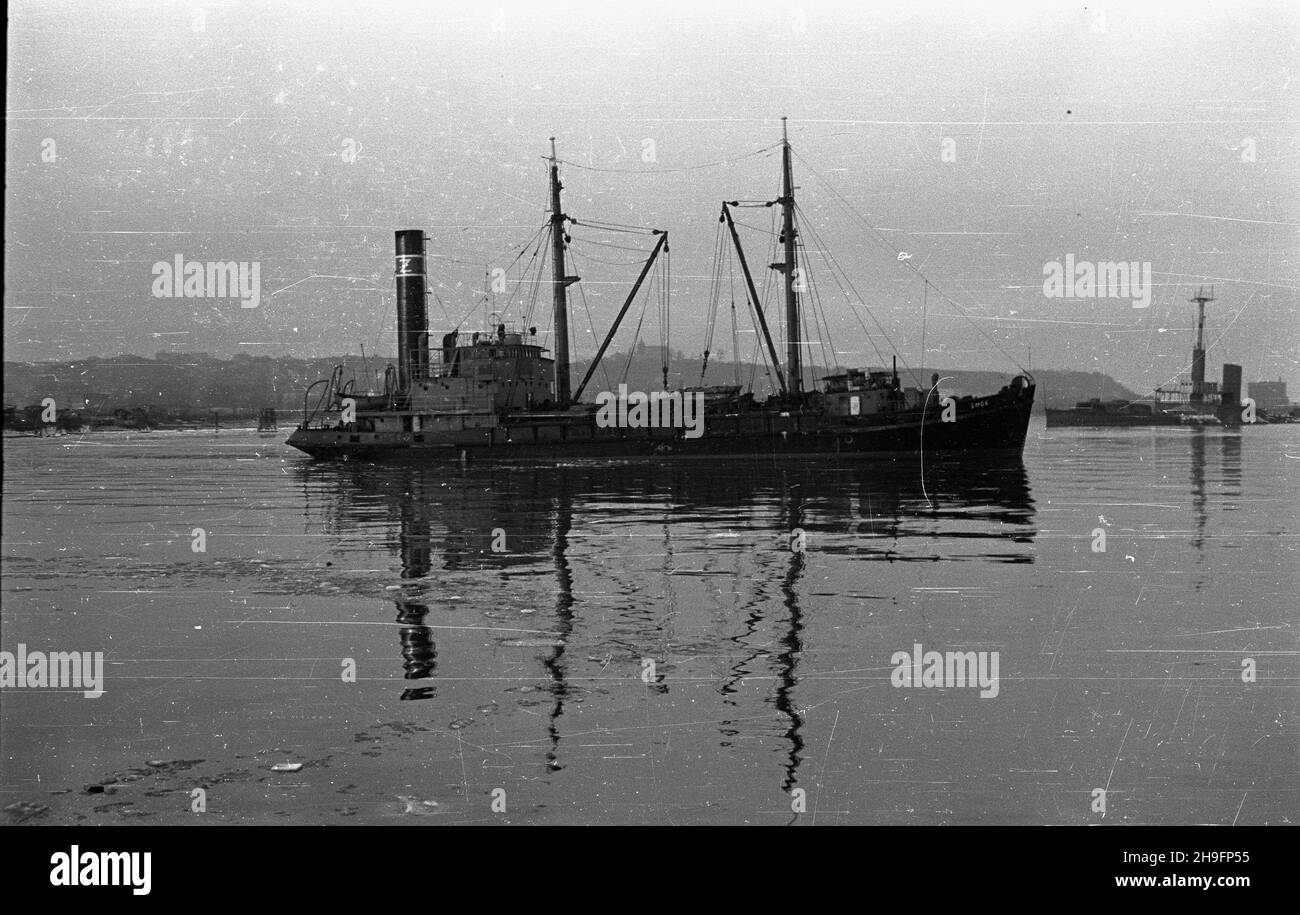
x=1198, y=353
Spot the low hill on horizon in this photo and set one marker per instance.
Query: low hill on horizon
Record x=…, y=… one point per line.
x=197, y=382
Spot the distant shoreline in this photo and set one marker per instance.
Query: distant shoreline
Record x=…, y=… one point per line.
x=188, y=387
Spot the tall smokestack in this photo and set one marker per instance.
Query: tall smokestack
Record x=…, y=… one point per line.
x=412, y=316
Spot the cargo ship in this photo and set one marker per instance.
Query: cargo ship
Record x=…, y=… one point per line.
x=500, y=395
x=1194, y=402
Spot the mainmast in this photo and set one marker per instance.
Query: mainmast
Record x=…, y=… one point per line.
x=793, y=369
x=560, y=283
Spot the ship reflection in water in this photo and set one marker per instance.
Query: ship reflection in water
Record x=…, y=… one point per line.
x=647, y=643
x=1228, y=488
x=662, y=576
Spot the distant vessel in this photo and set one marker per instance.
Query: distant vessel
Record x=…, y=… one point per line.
x=1185, y=403
x=499, y=395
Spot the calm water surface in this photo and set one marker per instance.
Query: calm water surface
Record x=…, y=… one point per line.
x=640, y=644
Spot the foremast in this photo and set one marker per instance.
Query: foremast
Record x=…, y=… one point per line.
x=565, y=396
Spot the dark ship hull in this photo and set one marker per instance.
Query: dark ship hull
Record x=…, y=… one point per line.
x=997, y=422
x=497, y=395
x=1081, y=417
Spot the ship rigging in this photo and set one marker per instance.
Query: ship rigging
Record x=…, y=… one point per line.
x=498, y=393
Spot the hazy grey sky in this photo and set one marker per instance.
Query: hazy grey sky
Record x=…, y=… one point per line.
x=1160, y=133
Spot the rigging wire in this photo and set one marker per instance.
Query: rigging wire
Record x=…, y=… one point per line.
x=714, y=296
x=826, y=255
x=599, y=260
x=835, y=266
x=545, y=248
x=758, y=229
x=473, y=308
x=591, y=323
x=523, y=276
x=526, y=314
x=760, y=355
x=606, y=244
x=662, y=171
x=666, y=270
x=384, y=321
x=888, y=247
x=771, y=285
x=735, y=346
x=925, y=304
x=818, y=311
x=735, y=332
x=612, y=226
x=627, y=366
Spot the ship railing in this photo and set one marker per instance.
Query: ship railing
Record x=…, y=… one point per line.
x=333, y=391
x=310, y=412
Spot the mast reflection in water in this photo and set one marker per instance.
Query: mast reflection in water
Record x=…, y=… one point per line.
x=641, y=644
x=582, y=567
